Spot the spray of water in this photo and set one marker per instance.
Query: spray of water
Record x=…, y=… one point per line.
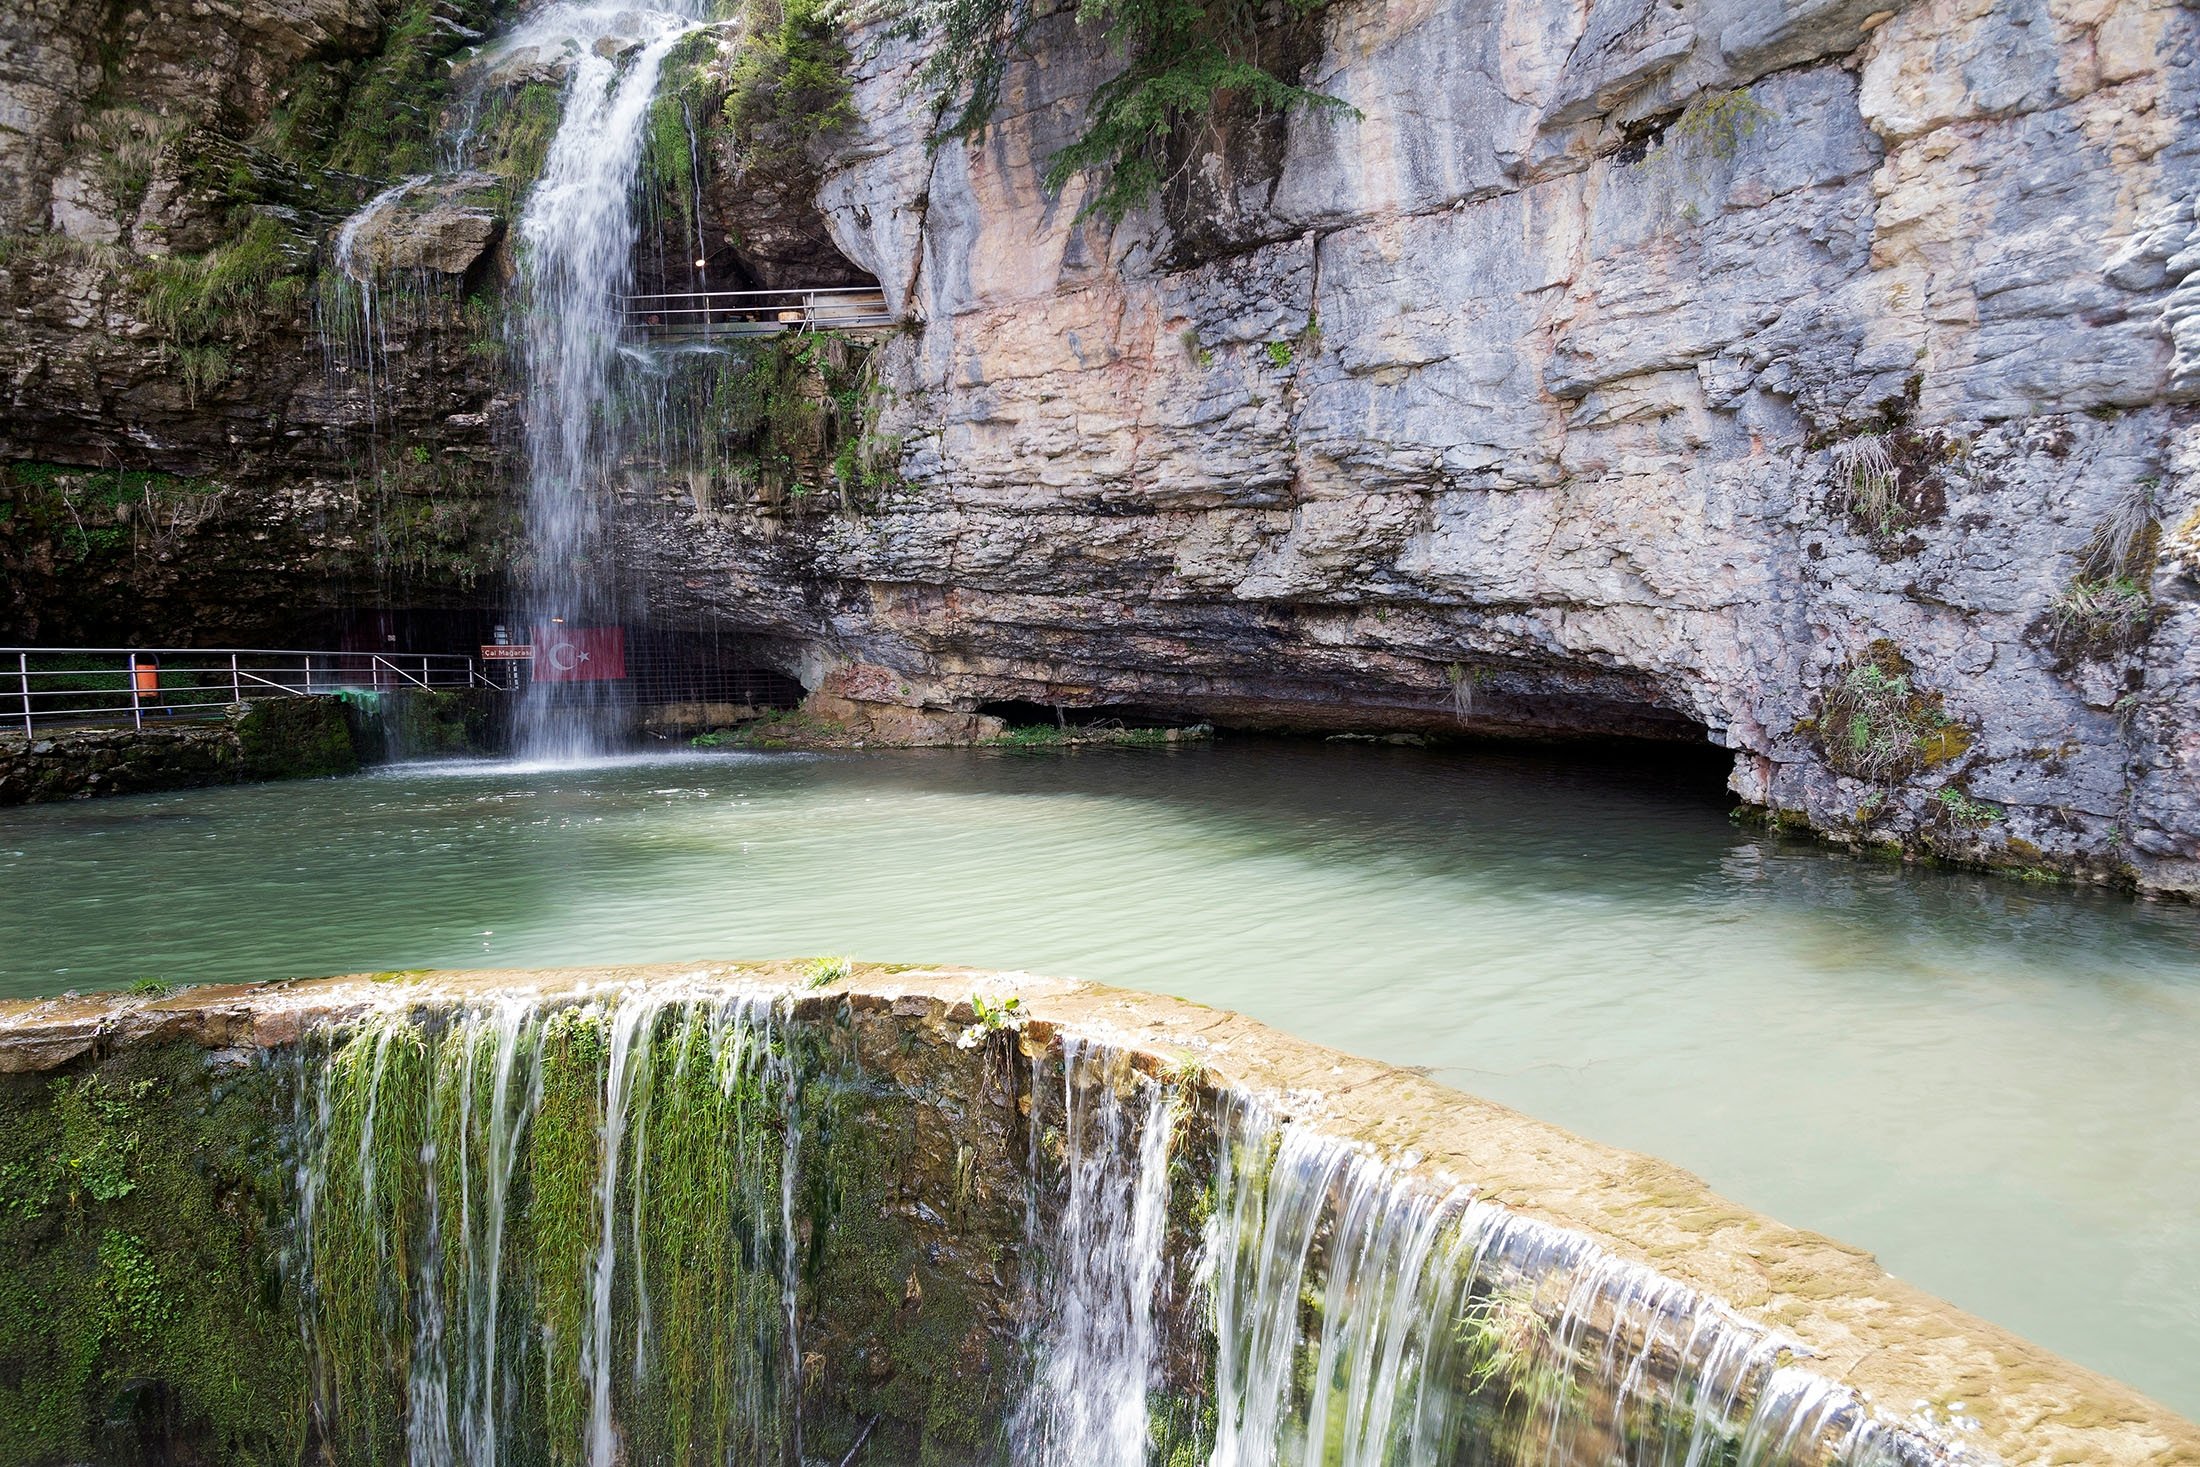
x=576, y=239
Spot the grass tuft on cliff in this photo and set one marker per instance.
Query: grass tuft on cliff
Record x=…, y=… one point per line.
x=2108, y=605
x=1875, y=723
x=205, y=305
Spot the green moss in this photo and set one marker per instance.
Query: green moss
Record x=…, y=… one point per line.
x=366, y=1233
x=1054, y=736
x=790, y=728
x=139, y=1295
x=912, y=1346
x=1874, y=722
x=424, y=722
x=690, y=101
x=143, y=1314
x=89, y=515
x=561, y=1219
x=297, y=738
x=513, y=134
x=389, y=117
x=712, y=1180
x=447, y=520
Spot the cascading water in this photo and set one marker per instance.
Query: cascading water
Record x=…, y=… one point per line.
x=1446, y=1330
x=576, y=257
x=674, y=1224
x=575, y=242
x=478, y=1199
x=1094, y=1296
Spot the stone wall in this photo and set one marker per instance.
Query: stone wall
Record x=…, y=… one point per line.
x=280, y=738
x=271, y=741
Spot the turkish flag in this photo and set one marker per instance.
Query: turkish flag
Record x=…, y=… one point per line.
x=579, y=654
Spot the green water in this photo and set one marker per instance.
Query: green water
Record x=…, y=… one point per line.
x=1989, y=1084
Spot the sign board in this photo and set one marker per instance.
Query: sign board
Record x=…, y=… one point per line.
x=510, y=652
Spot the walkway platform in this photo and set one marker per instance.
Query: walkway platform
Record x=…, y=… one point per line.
x=711, y=314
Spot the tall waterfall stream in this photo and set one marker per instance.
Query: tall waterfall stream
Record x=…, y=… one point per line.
x=576, y=260
x=575, y=240
x=667, y=1225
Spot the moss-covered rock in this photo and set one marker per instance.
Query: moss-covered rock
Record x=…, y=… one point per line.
x=143, y=1315
x=296, y=738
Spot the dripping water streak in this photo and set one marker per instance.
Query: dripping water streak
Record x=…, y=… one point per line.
x=1094, y=1337
x=630, y=1029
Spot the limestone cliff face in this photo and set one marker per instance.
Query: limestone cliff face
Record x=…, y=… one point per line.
x=1550, y=392
x=1816, y=378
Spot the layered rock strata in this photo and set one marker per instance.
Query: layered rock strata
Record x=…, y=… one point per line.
x=1811, y=380
x=1816, y=381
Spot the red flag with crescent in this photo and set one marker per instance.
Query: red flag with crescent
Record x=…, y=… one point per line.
x=579, y=654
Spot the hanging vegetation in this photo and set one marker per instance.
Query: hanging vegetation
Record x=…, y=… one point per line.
x=1184, y=60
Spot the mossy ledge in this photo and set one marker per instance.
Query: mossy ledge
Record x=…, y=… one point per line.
x=146, y=1207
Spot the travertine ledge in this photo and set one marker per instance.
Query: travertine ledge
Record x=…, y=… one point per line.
x=1893, y=1343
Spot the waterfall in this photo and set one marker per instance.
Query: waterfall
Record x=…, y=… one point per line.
x=647, y=1131
x=672, y=1224
x=1093, y=1313
x=1446, y=1330
x=576, y=247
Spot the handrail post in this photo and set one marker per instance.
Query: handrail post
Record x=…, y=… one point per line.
x=137, y=708
x=23, y=673
x=236, y=685
x=309, y=675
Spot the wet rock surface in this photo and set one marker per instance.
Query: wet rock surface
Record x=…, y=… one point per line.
x=923, y=1337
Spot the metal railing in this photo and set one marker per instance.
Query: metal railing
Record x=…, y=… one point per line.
x=128, y=685
x=709, y=313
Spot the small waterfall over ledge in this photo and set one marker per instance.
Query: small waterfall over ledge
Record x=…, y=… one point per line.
x=683, y=1223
